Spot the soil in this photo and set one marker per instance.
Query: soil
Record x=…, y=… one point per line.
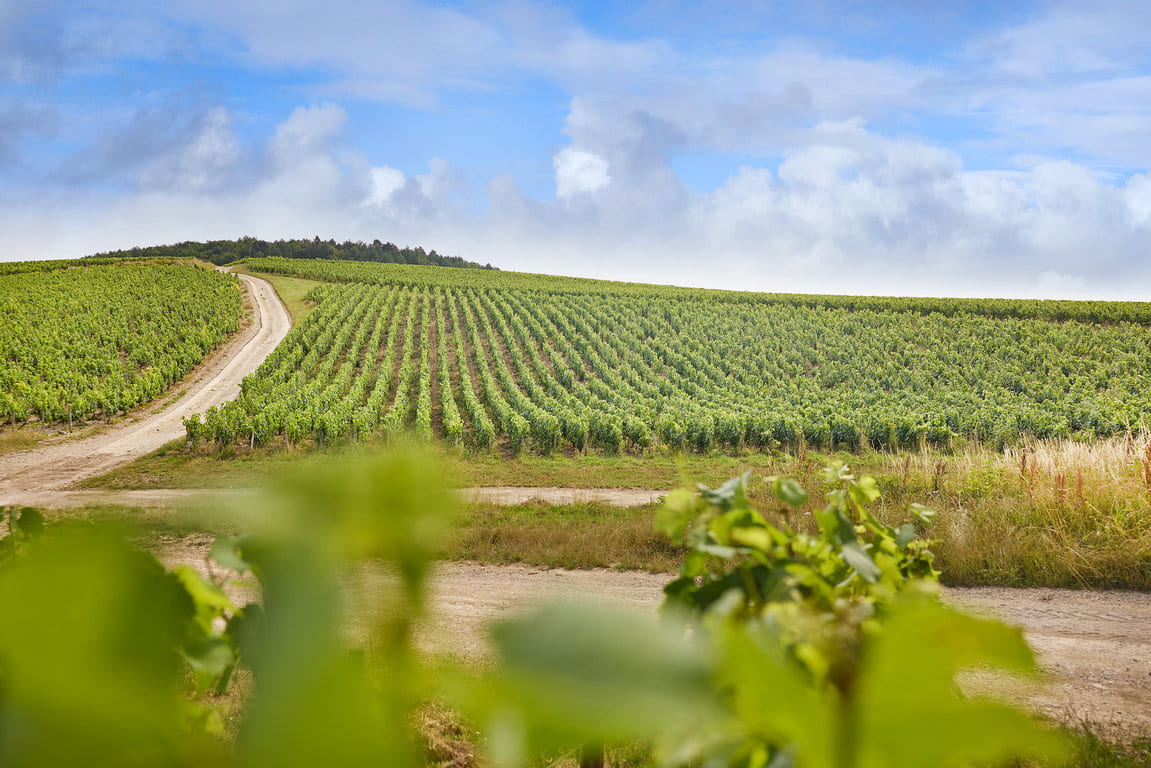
x=1094, y=647
x=27, y=476
x=50, y=498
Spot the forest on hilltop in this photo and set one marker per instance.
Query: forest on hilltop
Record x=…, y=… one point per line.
x=228, y=251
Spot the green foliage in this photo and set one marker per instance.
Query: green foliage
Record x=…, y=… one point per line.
x=837, y=624
x=837, y=665
x=827, y=651
x=104, y=656
x=733, y=548
x=106, y=659
x=539, y=364
x=417, y=276
x=79, y=341
x=228, y=251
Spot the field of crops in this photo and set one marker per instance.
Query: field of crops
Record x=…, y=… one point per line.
x=81, y=338
x=535, y=363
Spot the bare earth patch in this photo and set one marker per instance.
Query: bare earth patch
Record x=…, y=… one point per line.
x=177, y=497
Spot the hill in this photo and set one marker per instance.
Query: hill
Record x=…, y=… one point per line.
x=550, y=363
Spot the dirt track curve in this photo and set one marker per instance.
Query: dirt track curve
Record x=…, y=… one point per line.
x=54, y=465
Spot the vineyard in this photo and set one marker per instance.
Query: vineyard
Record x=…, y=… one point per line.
x=85, y=338
x=525, y=362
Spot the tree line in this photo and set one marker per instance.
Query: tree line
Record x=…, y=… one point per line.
x=227, y=251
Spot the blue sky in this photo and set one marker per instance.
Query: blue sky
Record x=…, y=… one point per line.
x=896, y=147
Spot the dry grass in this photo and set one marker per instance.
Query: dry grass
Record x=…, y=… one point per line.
x=575, y=536
x=18, y=439
x=1053, y=513
x=444, y=738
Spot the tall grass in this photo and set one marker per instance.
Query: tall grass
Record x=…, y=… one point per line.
x=1050, y=514
x=1045, y=513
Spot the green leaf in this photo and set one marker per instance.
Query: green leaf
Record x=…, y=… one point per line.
x=928, y=643
x=857, y=557
x=730, y=495
x=868, y=487
x=922, y=513
x=835, y=525
x=694, y=564
x=675, y=514
x=774, y=698
x=789, y=492
x=209, y=662
x=226, y=552
x=208, y=599
x=905, y=536
x=757, y=537
x=581, y=671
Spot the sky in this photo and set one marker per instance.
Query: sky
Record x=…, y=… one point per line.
x=894, y=147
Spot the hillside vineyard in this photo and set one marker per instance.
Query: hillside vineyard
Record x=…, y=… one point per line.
x=531, y=362
x=79, y=339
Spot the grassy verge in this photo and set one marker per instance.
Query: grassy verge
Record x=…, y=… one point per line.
x=1048, y=514
x=572, y=536
x=290, y=289
x=175, y=466
x=18, y=439
x=976, y=546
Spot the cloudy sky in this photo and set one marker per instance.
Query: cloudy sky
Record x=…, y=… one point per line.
x=856, y=146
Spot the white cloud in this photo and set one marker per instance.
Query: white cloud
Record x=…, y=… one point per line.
x=385, y=182
x=848, y=211
x=826, y=199
x=307, y=130
x=578, y=170
x=203, y=162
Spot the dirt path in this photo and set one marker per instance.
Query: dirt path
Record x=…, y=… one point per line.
x=55, y=465
x=1095, y=647
x=52, y=498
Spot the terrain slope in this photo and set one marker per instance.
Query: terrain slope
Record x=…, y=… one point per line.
x=31, y=475
x=1094, y=644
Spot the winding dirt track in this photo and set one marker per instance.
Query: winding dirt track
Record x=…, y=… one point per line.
x=26, y=476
